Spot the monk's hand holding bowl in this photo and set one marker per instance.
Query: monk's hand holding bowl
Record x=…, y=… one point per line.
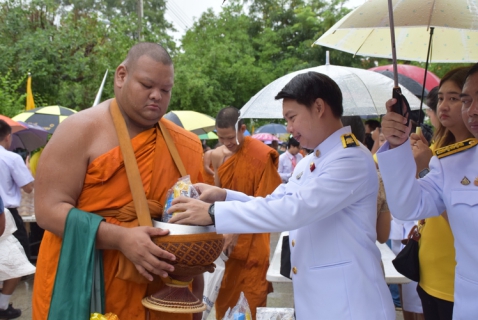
x=394, y=126
x=137, y=246
x=208, y=193
x=190, y=211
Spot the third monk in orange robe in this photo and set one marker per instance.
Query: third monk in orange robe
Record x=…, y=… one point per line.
x=82, y=166
x=251, y=168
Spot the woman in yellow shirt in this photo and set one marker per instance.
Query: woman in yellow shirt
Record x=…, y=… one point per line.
x=437, y=252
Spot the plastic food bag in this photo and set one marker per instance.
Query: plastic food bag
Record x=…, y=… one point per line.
x=275, y=314
x=212, y=284
x=240, y=312
x=183, y=187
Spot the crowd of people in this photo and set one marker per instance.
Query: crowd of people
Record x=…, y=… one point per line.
x=332, y=199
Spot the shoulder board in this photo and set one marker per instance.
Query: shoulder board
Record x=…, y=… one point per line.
x=349, y=140
x=456, y=147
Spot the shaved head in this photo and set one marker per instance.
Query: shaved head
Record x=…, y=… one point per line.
x=152, y=50
x=227, y=118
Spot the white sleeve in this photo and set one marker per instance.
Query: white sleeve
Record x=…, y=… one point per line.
x=284, y=175
x=342, y=182
x=20, y=173
x=408, y=198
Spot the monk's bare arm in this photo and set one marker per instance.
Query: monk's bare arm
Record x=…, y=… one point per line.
x=207, y=162
x=216, y=158
x=59, y=181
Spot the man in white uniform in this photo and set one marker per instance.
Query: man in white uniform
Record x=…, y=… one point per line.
x=14, y=175
x=329, y=204
x=289, y=159
x=450, y=184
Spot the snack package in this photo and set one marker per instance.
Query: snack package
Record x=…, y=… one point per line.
x=275, y=314
x=183, y=187
x=108, y=316
x=240, y=312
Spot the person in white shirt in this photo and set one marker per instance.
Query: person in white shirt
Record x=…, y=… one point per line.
x=14, y=175
x=329, y=205
x=289, y=159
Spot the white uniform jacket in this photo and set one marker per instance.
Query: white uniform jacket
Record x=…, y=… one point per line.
x=441, y=189
x=329, y=204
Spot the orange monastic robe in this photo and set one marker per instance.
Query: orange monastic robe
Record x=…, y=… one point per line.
x=253, y=171
x=106, y=187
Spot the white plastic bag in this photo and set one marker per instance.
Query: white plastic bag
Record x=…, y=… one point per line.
x=212, y=284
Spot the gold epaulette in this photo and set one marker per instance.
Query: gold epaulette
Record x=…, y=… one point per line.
x=349, y=140
x=456, y=147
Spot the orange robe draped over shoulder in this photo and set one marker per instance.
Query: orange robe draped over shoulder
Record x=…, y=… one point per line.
x=253, y=171
x=106, y=188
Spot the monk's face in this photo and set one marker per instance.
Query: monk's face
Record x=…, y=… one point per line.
x=469, y=108
x=144, y=90
x=304, y=123
x=227, y=136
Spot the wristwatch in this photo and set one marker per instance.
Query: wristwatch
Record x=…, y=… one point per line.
x=423, y=173
x=211, y=214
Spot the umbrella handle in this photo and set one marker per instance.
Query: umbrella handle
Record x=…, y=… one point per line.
x=402, y=107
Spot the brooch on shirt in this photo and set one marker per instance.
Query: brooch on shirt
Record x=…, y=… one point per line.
x=299, y=175
x=312, y=166
x=465, y=181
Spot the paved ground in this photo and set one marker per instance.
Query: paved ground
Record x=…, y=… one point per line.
x=281, y=297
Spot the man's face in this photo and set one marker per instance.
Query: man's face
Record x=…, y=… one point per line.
x=145, y=90
x=227, y=136
x=469, y=99
x=304, y=123
x=294, y=150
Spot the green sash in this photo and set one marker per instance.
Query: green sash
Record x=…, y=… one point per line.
x=79, y=285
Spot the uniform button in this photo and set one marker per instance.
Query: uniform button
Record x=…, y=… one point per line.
x=294, y=270
x=293, y=243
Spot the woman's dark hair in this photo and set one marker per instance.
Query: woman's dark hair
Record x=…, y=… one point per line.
x=432, y=99
x=305, y=88
x=443, y=136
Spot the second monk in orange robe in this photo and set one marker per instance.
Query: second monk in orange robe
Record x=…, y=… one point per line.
x=249, y=167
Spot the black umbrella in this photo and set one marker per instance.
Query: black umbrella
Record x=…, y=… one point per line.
x=272, y=128
x=412, y=85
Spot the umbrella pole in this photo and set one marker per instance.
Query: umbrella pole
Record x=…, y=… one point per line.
x=392, y=38
x=426, y=72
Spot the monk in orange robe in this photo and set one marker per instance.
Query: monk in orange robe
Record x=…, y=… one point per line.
x=249, y=167
x=83, y=167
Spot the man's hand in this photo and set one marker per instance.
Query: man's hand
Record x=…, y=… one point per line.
x=209, y=193
x=137, y=246
x=394, y=126
x=421, y=151
x=230, y=241
x=190, y=211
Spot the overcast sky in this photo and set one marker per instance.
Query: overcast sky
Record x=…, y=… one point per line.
x=182, y=13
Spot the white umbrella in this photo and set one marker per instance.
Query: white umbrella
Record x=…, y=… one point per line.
x=365, y=31
x=364, y=93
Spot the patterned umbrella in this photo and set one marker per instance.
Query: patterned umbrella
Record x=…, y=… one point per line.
x=412, y=85
x=264, y=137
x=13, y=124
x=46, y=117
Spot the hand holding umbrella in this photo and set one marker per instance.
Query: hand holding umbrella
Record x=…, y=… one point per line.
x=395, y=127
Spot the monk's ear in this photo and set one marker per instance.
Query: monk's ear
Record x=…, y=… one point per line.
x=242, y=128
x=319, y=106
x=120, y=75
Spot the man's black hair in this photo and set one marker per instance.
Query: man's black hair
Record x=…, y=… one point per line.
x=373, y=124
x=305, y=88
x=5, y=129
x=293, y=143
x=472, y=71
x=227, y=118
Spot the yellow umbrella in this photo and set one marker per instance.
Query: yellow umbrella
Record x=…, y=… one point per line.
x=193, y=121
x=365, y=31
